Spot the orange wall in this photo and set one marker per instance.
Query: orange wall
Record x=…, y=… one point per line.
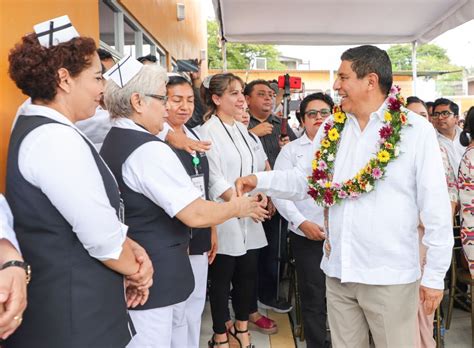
x=181, y=39
x=16, y=19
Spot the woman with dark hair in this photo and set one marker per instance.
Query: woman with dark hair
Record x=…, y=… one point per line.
x=203, y=243
x=230, y=157
x=66, y=204
x=466, y=192
x=306, y=220
x=161, y=200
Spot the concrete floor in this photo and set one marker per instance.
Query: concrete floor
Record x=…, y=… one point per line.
x=458, y=336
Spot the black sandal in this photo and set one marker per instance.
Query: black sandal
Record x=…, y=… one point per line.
x=236, y=332
x=211, y=343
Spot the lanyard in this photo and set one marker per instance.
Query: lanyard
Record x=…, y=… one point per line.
x=235, y=145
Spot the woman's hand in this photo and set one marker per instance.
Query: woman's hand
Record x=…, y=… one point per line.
x=251, y=207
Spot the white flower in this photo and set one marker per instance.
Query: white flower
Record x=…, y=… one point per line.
x=368, y=187
x=325, y=151
x=396, y=151
x=331, y=157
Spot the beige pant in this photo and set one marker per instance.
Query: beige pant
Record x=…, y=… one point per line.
x=388, y=311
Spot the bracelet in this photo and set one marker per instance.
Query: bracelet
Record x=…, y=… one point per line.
x=21, y=264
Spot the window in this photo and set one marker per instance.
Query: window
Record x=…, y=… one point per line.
x=122, y=35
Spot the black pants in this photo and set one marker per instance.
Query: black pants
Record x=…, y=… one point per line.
x=268, y=258
x=312, y=288
x=241, y=271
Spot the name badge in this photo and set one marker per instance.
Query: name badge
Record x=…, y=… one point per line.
x=198, y=181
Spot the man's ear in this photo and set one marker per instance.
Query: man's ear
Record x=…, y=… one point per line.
x=372, y=81
x=64, y=80
x=136, y=102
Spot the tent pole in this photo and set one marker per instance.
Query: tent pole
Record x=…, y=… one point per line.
x=414, y=64
x=224, y=56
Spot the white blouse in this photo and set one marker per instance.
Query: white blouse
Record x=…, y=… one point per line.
x=155, y=171
x=57, y=160
x=231, y=156
x=6, y=223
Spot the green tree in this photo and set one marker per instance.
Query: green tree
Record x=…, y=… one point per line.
x=239, y=55
x=430, y=57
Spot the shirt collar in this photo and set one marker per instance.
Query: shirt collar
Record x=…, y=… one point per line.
x=126, y=123
x=375, y=114
x=304, y=140
x=41, y=110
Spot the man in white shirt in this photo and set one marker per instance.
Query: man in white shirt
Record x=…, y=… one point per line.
x=445, y=119
x=372, y=262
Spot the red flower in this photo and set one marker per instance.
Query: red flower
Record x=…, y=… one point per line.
x=313, y=193
x=385, y=132
x=319, y=174
x=328, y=197
x=403, y=118
x=327, y=127
x=394, y=104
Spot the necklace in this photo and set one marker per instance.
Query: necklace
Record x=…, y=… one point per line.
x=327, y=193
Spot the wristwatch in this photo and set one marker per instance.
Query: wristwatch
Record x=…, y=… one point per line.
x=21, y=264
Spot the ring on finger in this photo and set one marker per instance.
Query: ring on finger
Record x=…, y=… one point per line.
x=18, y=318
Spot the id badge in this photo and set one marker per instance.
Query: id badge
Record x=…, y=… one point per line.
x=198, y=181
x=122, y=211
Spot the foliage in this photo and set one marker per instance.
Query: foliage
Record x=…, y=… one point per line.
x=239, y=55
x=430, y=57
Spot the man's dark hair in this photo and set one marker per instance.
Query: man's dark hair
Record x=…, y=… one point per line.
x=464, y=139
x=104, y=54
x=148, y=58
x=414, y=100
x=452, y=105
x=370, y=59
x=314, y=96
x=249, y=86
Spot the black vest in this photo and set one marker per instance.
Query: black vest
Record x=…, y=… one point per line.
x=74, y=300
x=165, y=239
x=200, y=237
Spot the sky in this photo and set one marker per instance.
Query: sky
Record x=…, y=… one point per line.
x=459, y=43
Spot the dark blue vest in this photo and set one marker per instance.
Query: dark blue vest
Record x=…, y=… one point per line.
x=165, y=239
x=74, y=300
x=200, y=237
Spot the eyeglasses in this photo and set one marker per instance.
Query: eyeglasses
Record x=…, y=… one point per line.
x=162, y=98
x=312, y=114
x=445, y=113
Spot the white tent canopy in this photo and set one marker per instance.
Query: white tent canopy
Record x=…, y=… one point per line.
x=339, y=22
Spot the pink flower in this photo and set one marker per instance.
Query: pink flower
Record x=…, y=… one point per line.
x=377, y=173
x=394, y=89
x=354, y=195
x=385, y=132
x=336, y=185
x=342, y=194
x=322, y=165
x=327, y=126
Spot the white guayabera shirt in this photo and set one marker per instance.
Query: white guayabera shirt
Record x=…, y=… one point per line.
x=374, y=238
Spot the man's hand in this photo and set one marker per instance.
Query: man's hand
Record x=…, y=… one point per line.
x=182, y=142
x=12, y=299
x=211, y=255
x=271, y=207
x=245, y=184
x=262, y=129
x=312, y=231
x=283, y=141
x=430, y=298
x=143, y=279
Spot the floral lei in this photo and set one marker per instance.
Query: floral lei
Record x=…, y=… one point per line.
x=327, y=193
